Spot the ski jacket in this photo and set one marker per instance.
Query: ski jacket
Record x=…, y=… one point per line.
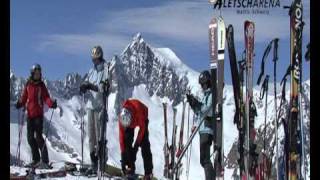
x=140, y=117
x=206, y=103
x=34, y=94
x=97, y=76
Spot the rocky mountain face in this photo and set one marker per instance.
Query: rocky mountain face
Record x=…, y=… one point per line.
x=138, y=65
x=141, y=64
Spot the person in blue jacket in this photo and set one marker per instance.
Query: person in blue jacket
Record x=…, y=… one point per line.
x=203, y=109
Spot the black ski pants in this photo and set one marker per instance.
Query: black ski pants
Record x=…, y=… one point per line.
x=205, y=144
x=130, y=153
x=35, y=139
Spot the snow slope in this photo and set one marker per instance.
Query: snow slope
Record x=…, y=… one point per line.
x=64, y=136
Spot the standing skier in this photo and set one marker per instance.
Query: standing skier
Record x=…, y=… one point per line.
x=34, y=95
x=95, y=82
x=206, y=128
x=134, y=114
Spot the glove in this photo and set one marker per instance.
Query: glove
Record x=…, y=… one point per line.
x=84, y=87
x=106, y=86
x=54, y=104
x=18, y=105
x=189, y=98
x=192, y=100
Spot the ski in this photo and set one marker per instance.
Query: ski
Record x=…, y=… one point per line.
x=166, y=145
x=296, y=25
x=180, y=145
x=237, y=83
x=173, y=143
x=213, y=49
x=250, y=156
x=33, y=175
x=218, y=148
x=102, y=144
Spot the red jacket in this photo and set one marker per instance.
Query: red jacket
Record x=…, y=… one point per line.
x=140, y=115
x=34, y=94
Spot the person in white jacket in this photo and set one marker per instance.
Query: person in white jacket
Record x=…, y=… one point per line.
x=95, y=83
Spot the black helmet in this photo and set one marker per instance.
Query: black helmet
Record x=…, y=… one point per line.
x=35, y=67
x=205, y=78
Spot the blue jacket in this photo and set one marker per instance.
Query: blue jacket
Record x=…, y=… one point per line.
x=206, y=105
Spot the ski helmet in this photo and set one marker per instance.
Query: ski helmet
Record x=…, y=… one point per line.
x=125, y=117
x=96, y=52
x=35, y=67
x=204, y=78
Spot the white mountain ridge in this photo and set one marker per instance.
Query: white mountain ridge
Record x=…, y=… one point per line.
x=138, y=61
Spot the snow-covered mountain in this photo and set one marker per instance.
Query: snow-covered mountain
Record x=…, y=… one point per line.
x=153, y=75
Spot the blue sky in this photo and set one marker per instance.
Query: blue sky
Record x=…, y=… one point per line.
x=59, y=34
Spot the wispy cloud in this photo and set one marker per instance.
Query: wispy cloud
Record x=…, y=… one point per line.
x=188, y=21
x=184, y=21
x=82, y=43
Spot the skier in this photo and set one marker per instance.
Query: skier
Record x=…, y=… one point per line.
x=95, y=82
x=34, y=95
x=134, y=114
x=206, y=129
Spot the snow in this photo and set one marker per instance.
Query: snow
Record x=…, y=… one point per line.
x=66, y=123
x=168, y=58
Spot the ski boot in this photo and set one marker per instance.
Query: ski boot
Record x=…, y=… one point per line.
x=131, y=177
x=44, y=165
x=33, y=164
x=148, y=176
x=92, y=171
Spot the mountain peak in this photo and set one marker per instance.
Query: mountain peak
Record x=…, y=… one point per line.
x=138, y=38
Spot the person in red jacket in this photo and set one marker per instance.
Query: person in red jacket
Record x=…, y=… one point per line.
x=134, y=114
x=34, y=95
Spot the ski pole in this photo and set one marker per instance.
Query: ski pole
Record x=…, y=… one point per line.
x=82, y=133
x=275, y=59
x=187, y=155
x=18, y=147
x=47, y=131
x=190, y=151
x=21, y=124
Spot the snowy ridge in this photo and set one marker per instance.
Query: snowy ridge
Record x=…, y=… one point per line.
x=152, y=75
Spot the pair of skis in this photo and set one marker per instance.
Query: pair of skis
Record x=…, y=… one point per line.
x=217, y=37
x=169, y=172
x=102, y=144
x=180, y=145
x=169, y=151
x=166, y=150
x=245, y=111
x=237, y=84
